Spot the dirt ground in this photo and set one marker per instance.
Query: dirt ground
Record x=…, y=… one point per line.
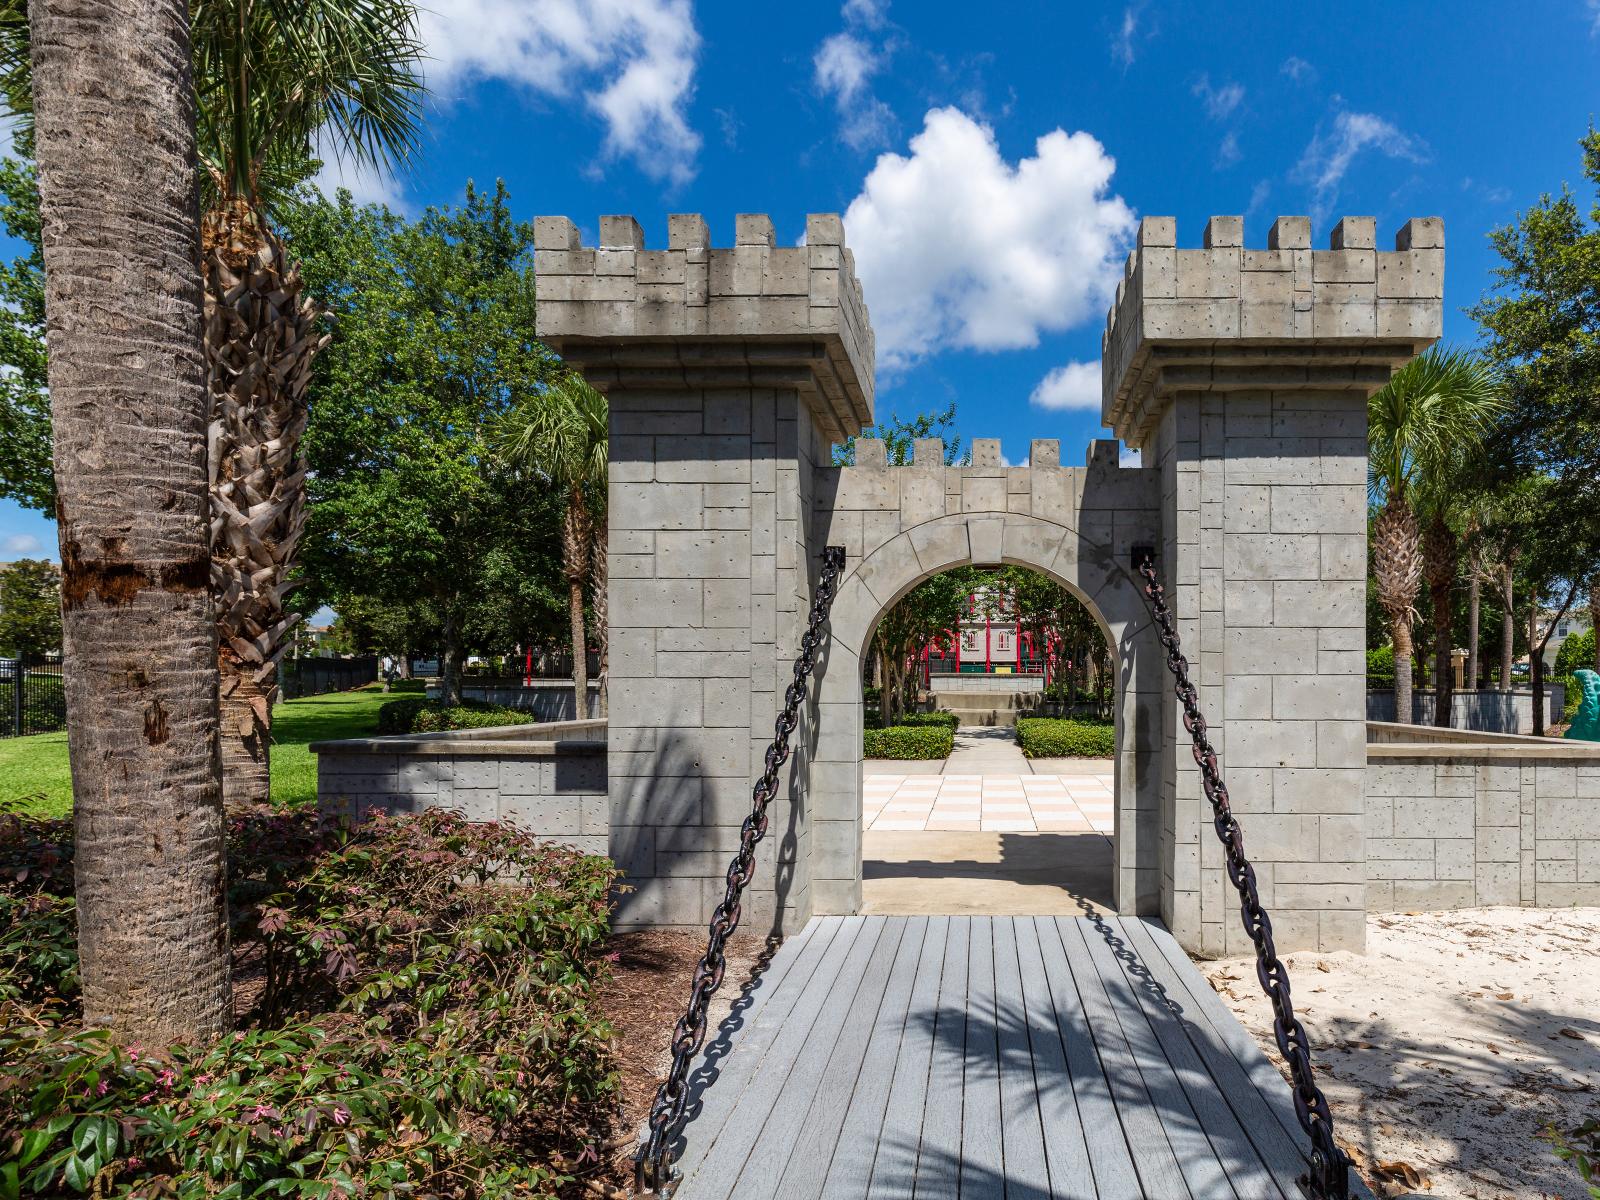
x=644, y=999
x=1450, y=1045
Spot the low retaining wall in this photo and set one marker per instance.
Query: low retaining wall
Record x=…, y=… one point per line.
x=1459, y=819
x=547, y=699
x=548, y=779
x=1487, y=712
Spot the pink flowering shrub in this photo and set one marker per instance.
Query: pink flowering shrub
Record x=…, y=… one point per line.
x=417, y=1018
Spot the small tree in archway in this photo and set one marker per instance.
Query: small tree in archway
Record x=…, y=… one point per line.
x=910, y=626
x=1058, y=621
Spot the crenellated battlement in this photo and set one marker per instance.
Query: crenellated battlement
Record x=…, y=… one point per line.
x=1043, y=454
x=1289, y=316
x=701, y=316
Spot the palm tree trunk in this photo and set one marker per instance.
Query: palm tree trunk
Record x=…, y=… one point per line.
x=1508, y=619
x=115, y=144
x=1400, y=631
x=599, y=583
x=1474, y=607
x=450, y=657
x=1439, y=551
x=260, y=340
x=575, y=549
x=1536, y=664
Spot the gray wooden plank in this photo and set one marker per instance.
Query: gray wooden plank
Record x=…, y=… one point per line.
x=1110, y=1156
x=938, y=1162
x=1157, y=1166
x=1190, y=1146
x=1066, y=1151
x=1022, y=1135
x=1270, y=1083
x=1235, y=1153
x=850, y=1171
x=794, y=964
x=983, y=1169
x=818, y=1133
x=1277, y=1149
x=894, y=1166
x=793, y=1090
x=715, y=1177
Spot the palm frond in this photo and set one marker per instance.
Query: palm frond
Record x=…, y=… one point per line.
x=559, y=435
x=1431, y=415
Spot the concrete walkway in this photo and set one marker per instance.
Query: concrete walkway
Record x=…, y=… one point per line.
x=987, y=750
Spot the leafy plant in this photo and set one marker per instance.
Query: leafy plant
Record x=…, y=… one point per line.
x=415, y=714
x=1577, y=652
x=1061, y=737
x=909, y=741
x=1380, y=667
x=421, y=1022
x=1581, y=1148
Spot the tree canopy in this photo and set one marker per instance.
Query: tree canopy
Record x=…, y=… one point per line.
x=30, y=608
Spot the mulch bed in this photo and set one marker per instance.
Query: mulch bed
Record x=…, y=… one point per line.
x=643, y=1001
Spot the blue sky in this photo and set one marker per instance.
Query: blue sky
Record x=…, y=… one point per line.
x=992, y=163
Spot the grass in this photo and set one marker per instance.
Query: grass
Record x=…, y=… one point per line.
x=35, y=768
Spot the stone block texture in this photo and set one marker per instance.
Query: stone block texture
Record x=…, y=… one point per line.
x=1476, y=828
x=900, y=524
x=549, y=780
x=1243, y=375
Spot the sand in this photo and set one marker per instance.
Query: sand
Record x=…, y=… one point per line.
x=1450, y=1045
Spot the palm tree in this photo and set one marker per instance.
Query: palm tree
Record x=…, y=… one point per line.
x=127, y=376
x=560, y=435
x=276, y=82
x=1428, y=418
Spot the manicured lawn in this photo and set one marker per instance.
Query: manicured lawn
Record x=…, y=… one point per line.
x=35, y=768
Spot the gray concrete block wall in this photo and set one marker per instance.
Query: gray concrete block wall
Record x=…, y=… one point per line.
x=549, y=780
x=901, y=524
x=1243, y=375
x=1482, y=827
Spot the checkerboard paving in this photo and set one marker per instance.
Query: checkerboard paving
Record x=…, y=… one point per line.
x=983, y=803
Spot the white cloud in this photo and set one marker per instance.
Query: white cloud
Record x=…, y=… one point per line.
x=23, y=543
x=631, y=61
x=1220, y=102
x=1300, y=71
x=1129, y=457
x=1123, y=49
x=1228, y=152
x=955, y=246
x=1329, y=154
x=843, y=67
x=1075, y=386
x=1594, y=17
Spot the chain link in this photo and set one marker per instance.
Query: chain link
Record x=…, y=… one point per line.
x=653, y=1170
x=1329, y=1175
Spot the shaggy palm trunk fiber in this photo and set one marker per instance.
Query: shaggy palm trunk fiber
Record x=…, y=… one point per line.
x=575, y=543
x=261, y=338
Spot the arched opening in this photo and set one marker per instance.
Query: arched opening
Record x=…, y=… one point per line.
x=989, y=749
x=1088, y=566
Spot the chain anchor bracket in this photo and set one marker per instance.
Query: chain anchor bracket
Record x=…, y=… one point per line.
x=1328, y=1173
x=653, y=1173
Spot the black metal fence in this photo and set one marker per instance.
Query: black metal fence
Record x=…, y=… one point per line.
x=316, y=676
x=31, y=697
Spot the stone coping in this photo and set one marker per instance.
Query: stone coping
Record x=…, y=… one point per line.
x=543, y=740
x=1388, y=739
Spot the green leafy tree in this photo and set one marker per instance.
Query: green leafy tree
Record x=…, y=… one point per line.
x=1063, y=628
x=30, y=608
x=25, y=471
x=1431, y=415
x=929, y=610
x=433, y=346
x=275, y=83
x=559, y=437
x=899, y=437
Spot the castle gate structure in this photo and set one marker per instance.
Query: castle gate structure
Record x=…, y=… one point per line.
x=1241, y=374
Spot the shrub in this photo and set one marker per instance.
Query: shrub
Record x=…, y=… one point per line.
x=414, y=714
x=1576, y=653
x=909, y=741
x=1058, y=737
x=1572, y=697
x=409, y=685
x=932, y=720
x=416, y=1028
x=1380, y=667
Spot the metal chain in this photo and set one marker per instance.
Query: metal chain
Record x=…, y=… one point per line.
x=1329, y=1175
x=653, y=1169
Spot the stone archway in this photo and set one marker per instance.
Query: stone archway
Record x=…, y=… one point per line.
x=1070, y=543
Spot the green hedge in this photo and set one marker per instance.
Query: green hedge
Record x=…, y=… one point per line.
x=932, y=720
x=1060, y=737
x=1575, y=653
x=417, y=715
x=909, y=741
x=1380, y=667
